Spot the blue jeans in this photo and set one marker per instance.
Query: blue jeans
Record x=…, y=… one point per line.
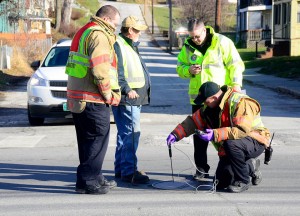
x=127, y=141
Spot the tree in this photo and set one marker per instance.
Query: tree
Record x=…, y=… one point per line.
x=201, y=9
x=66, y=12
x=218, y=16
x=58, y=14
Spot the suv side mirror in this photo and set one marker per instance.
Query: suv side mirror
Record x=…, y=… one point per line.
x=35, y=65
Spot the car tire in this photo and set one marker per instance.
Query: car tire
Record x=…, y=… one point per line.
x=34, y=121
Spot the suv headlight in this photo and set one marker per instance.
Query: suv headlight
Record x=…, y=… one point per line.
x=37, y=81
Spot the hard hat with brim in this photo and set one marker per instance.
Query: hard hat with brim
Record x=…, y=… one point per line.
x=206, y=90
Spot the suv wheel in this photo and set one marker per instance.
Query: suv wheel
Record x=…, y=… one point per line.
x=34, y=121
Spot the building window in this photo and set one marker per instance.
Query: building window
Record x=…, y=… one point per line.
x=298, y=12
x=277, y=14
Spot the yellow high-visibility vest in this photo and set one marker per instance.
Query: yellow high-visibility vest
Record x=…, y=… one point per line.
x=133, y=69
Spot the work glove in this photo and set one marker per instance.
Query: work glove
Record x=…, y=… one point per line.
x=208, y=135
x=171, y=139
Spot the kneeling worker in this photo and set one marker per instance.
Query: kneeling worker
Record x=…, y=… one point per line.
x=231, y=121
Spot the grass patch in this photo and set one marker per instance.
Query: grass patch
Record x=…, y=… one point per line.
x=161, y=17
x=283, y=66
x=250, y=54
x=92, y=5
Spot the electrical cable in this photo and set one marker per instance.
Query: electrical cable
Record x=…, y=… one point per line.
x=183, y=182
x=215, y=182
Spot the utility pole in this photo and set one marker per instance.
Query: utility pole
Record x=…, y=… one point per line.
x=145, y=8
x=170, y=26
x=152, y=18
x=218, y=16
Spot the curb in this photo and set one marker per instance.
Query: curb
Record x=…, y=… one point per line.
x=278, y=89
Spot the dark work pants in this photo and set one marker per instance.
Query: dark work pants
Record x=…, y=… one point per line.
x=200, y=149
x=238, y=153
x=92, y=130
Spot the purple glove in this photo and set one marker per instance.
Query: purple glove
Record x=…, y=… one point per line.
x=208, y=136
x=171, y=139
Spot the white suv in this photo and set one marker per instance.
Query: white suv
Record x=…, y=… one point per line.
x=47, y=87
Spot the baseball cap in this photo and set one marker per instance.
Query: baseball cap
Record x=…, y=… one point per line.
x=133, y=22
x=206, y=90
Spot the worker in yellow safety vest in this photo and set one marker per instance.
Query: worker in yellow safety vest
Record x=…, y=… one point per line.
x=207, y=56
x=134, y=81
x=92, y=87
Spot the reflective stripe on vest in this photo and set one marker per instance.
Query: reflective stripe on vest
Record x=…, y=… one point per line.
x=208, y=69
x=133, y=69
x=79, y=62
x=233, y=102
x=213, y=64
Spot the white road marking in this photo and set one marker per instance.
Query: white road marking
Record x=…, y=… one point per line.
x=20, y=141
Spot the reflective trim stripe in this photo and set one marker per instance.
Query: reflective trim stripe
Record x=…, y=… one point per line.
x=233, y=102
x=238, y=120
x=78, y=62
x=257, y=123
x=104, y=87
x=79, y=54
x=179, y=130
x=99, y=60
x=222, y=132
x=198, y=120
x=113, y=74
x=213, y=66
x=84, y=95
x=78, y=58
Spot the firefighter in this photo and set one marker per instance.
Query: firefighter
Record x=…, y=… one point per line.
x=231, y=121
x=92, y=87
x=207, y=56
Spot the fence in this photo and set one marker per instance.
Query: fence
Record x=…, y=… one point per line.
x=32, y=46
x=5, y=56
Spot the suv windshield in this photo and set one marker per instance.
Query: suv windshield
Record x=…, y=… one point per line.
x=57, y=56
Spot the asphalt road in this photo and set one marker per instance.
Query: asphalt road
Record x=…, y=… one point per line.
x=38, y=164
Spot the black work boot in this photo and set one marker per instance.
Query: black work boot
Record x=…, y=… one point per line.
x=257, y=176
x=96, y=189
x=139, y=177
x=92, y=187
x=238, y=187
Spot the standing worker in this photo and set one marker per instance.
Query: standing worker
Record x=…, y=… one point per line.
x=92, y=87
x=134, y=81
x=232, y=122
x=207, y=56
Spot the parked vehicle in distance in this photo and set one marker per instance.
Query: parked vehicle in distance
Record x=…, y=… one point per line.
x=47, y=87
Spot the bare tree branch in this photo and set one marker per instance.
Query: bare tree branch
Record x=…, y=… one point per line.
x=201, y=9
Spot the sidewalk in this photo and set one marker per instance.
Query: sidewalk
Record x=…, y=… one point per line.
x=278, y=84
x=251, y=76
